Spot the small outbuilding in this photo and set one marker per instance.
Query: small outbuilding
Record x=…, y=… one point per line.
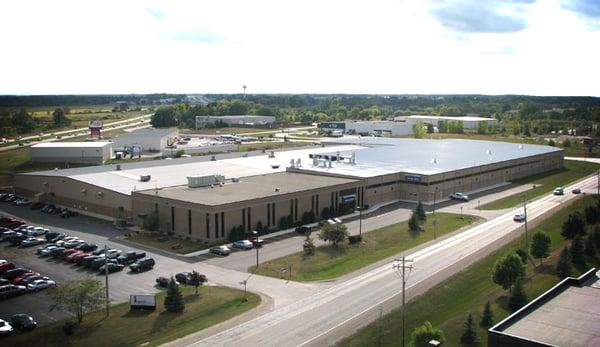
x=147, y=139
x=94, y=152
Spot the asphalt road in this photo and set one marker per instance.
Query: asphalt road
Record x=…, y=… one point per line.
x=322, y=317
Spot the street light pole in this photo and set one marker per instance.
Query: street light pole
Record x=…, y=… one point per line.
x=402, y=266
x=360, y=220
x=434, y=218
x=525, y=212
x=106, y=280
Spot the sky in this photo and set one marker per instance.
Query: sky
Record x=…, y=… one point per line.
x=543, y=47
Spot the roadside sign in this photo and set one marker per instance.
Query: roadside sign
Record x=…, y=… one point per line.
x=142, y=302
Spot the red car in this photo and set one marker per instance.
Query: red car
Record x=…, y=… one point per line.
x=10, y=223
x=18, y=279
x=74, y=257
x=67, y=252
x=6, y=266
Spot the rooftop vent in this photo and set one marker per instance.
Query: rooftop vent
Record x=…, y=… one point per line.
x=276, y=189
x=118, y=167
x=275, y=166
x=235, y=179
x=145, y=178
x=272, y=154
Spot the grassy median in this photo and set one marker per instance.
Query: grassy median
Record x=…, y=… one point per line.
x=148, y=328
x=447, y=305
x=329, y=262
x=545, y=183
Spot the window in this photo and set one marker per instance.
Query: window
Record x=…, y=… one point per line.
x=273, y=214
x=189, y=222
x=207, y=226
x=216, y=225
x=156, y=207
x=295, y=209
x=244, y=218
x=317, y=205
x=249, y=218
x=172, y=218
x=268, y=215
x=222, y=224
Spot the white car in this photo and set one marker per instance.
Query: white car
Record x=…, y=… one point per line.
x=60, y=243
x=558, y=191
x=520, y=217
x=113, y=253
x=459, y=196
x=37, y=231
x=32, y=241
x=46, y=250
x=243, y=244
x=5, y=327
x=40, y=284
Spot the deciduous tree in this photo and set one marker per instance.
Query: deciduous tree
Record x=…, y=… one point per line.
x=421, y=336
x=78, y=297
x=517, y=298
x=334, y=233
x=540, y=245
x=564, y=266
x=507, y=270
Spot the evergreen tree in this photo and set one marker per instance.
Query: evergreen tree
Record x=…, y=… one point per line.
x=420, y=211
x=469, y=336
x=174, y=299
x=590, y=245
x=574, y=225
x=540, y=246
x=564, y=267
x=517, y=298
x=578, y=251
x=597, y=236
x=487, y=319
x=413, y=222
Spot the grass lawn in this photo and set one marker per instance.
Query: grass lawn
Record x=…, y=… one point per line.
x=151, y=328
x=167, y=243
x=447, y=305
x=329, y=262
x=545, y=183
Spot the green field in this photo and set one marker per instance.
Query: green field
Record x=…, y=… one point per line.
x=447, y=305
x=168, y=243
x=545, y=183
x=329, y=262
x=148, y=328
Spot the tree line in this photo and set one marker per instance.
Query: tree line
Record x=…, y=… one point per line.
x=22, y=122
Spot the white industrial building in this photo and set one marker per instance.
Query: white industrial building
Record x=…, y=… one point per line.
x=203, y=121
x=147, y=139
x=381, y=127
x=72, y=152
x=469, y=122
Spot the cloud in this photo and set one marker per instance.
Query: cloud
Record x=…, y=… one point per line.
x=194, y=36
x=587, y=8
x=155, y=13
x=476, y=16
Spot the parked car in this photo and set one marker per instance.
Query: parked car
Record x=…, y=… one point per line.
x=19, y=279
x=67, y=252
x=520, y=217
x=73, y=257
x=37, y=205
x=55, y=252
x=22, y=202
x=4, y=282
x=66, y=239
x=113, y=253
x=13, y=273
x=86, y=247
x=130, y=256
x=30, y=279
x=16, y=239
x=459, y=196
x=5, y=327
x=112, y=267
x=304, y=229
x=243, y=244
x=37, y=231
x=32, y=241
x=6, y=267
x=23, y=322
x=5, y=236
x=100, y=261
x=66, y=213
x=48, y=247
x=87, y=261
x=162, y=282
x=38, y=285
x=11, y=290
x=558, y=191
x=55, y=237
x=576, y=191
x=142, y=265
x=183, y=277
x=220, y=250
x=73, y=243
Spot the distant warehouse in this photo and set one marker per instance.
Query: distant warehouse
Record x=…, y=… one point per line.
x=211, y=121
x=72, y=152
x=468, y=121
x=147, y=139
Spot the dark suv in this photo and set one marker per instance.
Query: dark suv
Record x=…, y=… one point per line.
x=142, y=265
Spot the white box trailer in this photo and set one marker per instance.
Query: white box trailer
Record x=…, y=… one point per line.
x=142, y=301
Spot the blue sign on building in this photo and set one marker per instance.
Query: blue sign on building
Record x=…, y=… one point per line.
x=412, y=178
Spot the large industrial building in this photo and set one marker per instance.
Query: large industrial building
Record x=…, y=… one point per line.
x=72, y=152
x=245, y=120
x=146, y=139
x=468, y=121
x=382, y=127
x=204, y=199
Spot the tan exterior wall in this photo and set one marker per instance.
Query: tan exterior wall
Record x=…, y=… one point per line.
x=144, y=204
x=71, y=193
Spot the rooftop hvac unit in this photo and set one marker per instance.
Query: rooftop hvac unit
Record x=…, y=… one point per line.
x=204, y=181
x=118, y=167
x=272, y=154
x=145, y=178
x=235, y=179
x=275, y=166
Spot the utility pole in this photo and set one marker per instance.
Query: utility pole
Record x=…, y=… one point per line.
x=525, y=212
x=360, y=208
x=401, y=267
x=106, y=280
x=434, y=218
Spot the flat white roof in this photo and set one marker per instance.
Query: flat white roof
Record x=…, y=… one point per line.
x=461, y=118
x=89, y=144
x=128, y=180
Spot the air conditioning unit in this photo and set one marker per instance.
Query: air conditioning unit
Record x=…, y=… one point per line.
x=145, y=178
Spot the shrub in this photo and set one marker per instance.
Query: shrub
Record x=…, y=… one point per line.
x=151, y=222
x=179, y=153
x=354, y=239
x=69, y=327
